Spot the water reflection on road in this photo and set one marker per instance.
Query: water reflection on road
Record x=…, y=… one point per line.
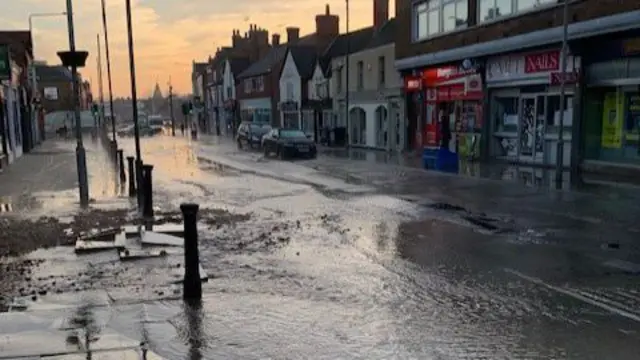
x=330, y=270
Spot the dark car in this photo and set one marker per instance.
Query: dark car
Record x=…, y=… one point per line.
x=250, y=134
x=287, y=143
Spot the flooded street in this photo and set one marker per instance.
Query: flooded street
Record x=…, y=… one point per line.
x=324, y=259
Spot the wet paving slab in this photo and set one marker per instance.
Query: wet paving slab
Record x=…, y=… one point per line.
x=313, y=273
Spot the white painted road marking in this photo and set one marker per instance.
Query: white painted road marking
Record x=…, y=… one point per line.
x=575, y=295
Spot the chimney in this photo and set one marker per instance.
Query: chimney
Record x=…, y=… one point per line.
x=275, y=39
x=293, y=34
x=380, y=13
x=327, y=25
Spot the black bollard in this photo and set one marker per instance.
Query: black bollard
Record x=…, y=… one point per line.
x=113, y=150
x=147, y=209
x=132, y=177
x=123, y=175
x=139, y=185
x=192, y=285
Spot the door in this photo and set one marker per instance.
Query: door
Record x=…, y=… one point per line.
x=532, y=127
x=526, y=127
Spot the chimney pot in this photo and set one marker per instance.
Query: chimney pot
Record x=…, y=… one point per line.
x=293, y=34
x=275, y=39
x=380, y=13
x=327, y=12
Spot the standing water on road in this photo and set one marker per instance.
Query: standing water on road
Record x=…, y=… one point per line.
x=304, y=265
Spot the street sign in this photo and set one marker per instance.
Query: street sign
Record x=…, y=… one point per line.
x=5, y=62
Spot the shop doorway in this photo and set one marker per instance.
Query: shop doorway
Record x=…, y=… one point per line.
x=381, y=127
x=532, y=124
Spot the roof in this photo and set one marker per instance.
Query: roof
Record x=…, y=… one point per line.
x=266, y=64
x=350, y=43
x=19, y=42
x=305, y=59
x=238, y=65
x=384, y=36
x=199, y=68
x=53, y=73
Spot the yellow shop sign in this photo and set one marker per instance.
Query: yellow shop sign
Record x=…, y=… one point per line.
x=612, y=121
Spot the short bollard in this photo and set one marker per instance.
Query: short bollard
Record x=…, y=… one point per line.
x=132, y=177
x=147, y=209
x=123, y=175
x=192, y=285
x=113, y=151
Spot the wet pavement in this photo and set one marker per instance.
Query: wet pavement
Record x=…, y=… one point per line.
x=338, y=258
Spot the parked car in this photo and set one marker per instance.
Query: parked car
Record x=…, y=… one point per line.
x=250, y=134
x=286, y=143
x=143, y=129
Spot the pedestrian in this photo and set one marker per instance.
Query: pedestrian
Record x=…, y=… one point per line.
x=182, y=128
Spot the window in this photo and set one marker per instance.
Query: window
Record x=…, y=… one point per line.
x=432, y=17
x=493, y=9
x=338, y=78
x=381, y=71
x=260, y=83
x=229, y=92
x=360, y=69
x=289, y=89
x=248, y=86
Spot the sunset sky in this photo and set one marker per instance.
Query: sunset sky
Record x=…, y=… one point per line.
x=169, y=34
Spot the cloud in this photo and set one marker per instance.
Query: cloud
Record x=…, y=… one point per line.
x=168, y=34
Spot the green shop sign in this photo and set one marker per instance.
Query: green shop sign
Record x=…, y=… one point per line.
x=5, y=64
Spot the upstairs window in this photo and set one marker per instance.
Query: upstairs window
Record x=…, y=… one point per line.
x=433, y=17
x=360, y=69
x=382, y=67
x=495, y=9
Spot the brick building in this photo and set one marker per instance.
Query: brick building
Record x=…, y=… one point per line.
x=491, y=72
x=258, y=87
x=18, y=128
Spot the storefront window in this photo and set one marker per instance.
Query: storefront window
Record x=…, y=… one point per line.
x=505, y=114
x=612, y=125
x=553, y=112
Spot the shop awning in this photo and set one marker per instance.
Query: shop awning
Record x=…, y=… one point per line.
x=580, y=30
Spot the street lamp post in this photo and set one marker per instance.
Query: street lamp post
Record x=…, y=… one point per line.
x=134, y=101
x=563, y=80
x=106, y=51
x=34, y=76
x=75, y=59
x=173, y=119
x=346, y=110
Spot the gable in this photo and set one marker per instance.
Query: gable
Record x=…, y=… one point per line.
x=318, y=74
x=289, y=69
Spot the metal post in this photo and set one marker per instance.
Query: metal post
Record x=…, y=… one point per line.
x=563, y=79
x=147, y=171
x=346, y=101
x=173, y=119
x=106, y=50
x=134, y=101
x=132, y=177
x=123, y=175
x=81, y=159
x=100, y=84
x=192, y=284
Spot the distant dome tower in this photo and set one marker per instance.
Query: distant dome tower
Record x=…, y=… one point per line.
x=156, y=99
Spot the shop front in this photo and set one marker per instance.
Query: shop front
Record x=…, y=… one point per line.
x=290, y=115
x=524, y=106
x=447, y=100
x=612, y=105
x=256, y=110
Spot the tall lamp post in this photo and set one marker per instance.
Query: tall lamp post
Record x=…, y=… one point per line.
x=563, y=81
x=75, y=59
x=106, y=50
x=134, y=102
x=173, y=119
x=346, y=101
x=34, y=76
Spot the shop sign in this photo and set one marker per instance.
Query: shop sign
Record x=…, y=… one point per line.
x=5, y=63
x=435, y=76
x=528, y=66
x=612, y=121
x=555, y=78
x=631, y=46
x=412, y=83
x=453, y=92
x=542, y=62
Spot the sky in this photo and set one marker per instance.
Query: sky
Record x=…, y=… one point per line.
x=168, y=34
